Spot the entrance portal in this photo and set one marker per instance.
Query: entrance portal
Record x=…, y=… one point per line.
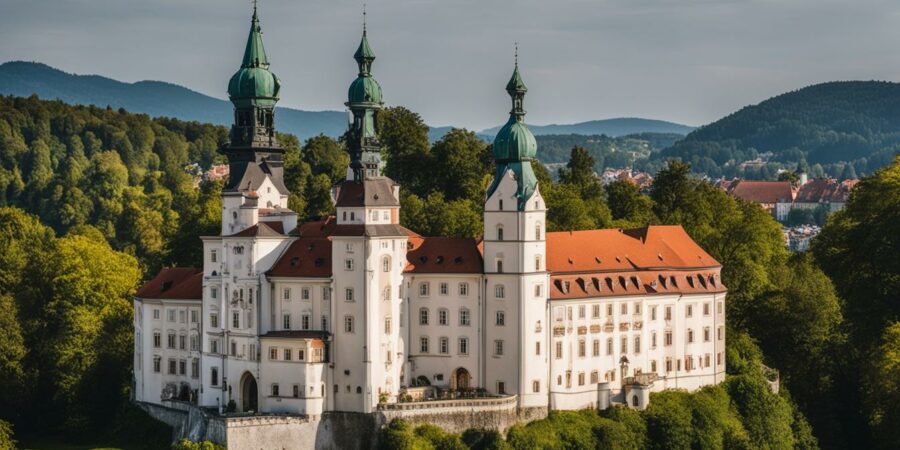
x=249, y=394
x=461, y=379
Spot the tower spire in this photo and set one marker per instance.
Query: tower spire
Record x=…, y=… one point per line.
x=364, y=98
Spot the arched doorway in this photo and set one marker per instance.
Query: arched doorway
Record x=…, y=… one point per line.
x=249, y=394
x=461, y=379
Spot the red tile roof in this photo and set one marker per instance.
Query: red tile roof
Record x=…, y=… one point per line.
x=443, y=255
x=308, y=257
x=626, y=262
x=261, y=229
x=821, y=190
x=182, y=283
x=762, y=191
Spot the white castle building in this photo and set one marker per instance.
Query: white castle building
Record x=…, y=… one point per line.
x=354, y=312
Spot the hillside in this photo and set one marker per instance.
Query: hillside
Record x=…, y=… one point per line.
x=825, y=125
x=155, y=98
x=607, y=152
x=610, y=127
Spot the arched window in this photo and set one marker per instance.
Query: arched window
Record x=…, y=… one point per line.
x=500, y=233
x=501, y=204
x=386, y=264
x=537, y=231
x=634, y=401
x=387, y=293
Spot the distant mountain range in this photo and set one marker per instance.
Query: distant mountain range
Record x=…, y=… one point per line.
x=156, y=98
x=610, y=127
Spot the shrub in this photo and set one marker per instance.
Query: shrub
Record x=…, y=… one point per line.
x=6, y=436
x=398, y=435
x=186, y=444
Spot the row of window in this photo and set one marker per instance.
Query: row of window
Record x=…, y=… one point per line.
x=305, y=322
x=443, y=317
x=275, y=390
x=636, y=309
x=305, y=293
x=670, y=365
x=177, y=367
x=443, y=289
x=636, y=347
x=174, y=341
x=462, y=345
x=537, y=229
x=287, y=354
x=182, y=315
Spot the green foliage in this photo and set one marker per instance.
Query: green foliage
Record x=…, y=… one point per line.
x=882, y=389
x=766, y=416
x=6, y=436
x=627, y=205
x=669, y=421
x=186, y=444
x=579, y=173
x=399, y=435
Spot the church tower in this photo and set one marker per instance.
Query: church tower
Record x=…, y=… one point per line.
x=516, y=278
x=255, y=159
x=369, y=254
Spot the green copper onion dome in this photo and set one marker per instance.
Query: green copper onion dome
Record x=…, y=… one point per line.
x=364, y=89
x=515, y=142
x=253, y=81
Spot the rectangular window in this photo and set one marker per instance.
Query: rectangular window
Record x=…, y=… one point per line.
x=171, y=366
x=170, y=342
x=595, y=377
x=275, y=391
x=637, y=309
x=581, y=378
x=170, y=315
x=444, y=346
x=326, y=294
x=348, y=264
x=286, y=293
x=637, y=344
x=706, y=334
x=423, y=289
x=444, y=289
x=213, y=293
x=653, y=340
x=286, y=322
x=195, y=315
x=595, y=350
x=182, y=367
x=624, y=346
x=195, y=343
x=609, y=346
x=463, y=346
x=623, y=309
x=157, y=362
x=537, y=348
x=423, y=344
x=214, y=376
x=387, y=325
x=423, y=316
x=581, y=311
x=235, y=319
x=195, y=368
x=296, y=391
x=348, y=324
x=719, y=308
x=689, y=311
x=273, y=354
x=537, y=262
x=690, y=336
x=498, y=348
x=559, y=350
x=464, y=317
x=720, y=333
x=463, y=289
x=609, y=311
x=287, y=354
x=213, y=256
x=214, y=320
x=595, y=311
x=157, y=340
x=582, y=348
x=214, y=346
x=182, y=342
x=652, y=313
x=668, y=338
x=443, y=317
x=706, y=309
x=324, y=323
x=653, y=366
x=535, y=386
x=501, y=319
x=499, y=291
x=181, y=316
x=155, y=314
x=304, y=294
x=305, y=321
x=348, y=294
x=538, y=290
x=668, y=313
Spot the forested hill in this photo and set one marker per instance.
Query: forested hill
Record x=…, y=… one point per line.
x=156, y=98
x=825, y=125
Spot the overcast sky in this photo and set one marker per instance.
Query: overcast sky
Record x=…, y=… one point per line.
x=689, y=61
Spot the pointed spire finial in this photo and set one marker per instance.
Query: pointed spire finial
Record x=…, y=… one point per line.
x=517, y=54
x=364, y=18
x=254, y=6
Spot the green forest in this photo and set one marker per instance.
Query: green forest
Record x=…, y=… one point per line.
x=95, y=200
x=828, y=129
